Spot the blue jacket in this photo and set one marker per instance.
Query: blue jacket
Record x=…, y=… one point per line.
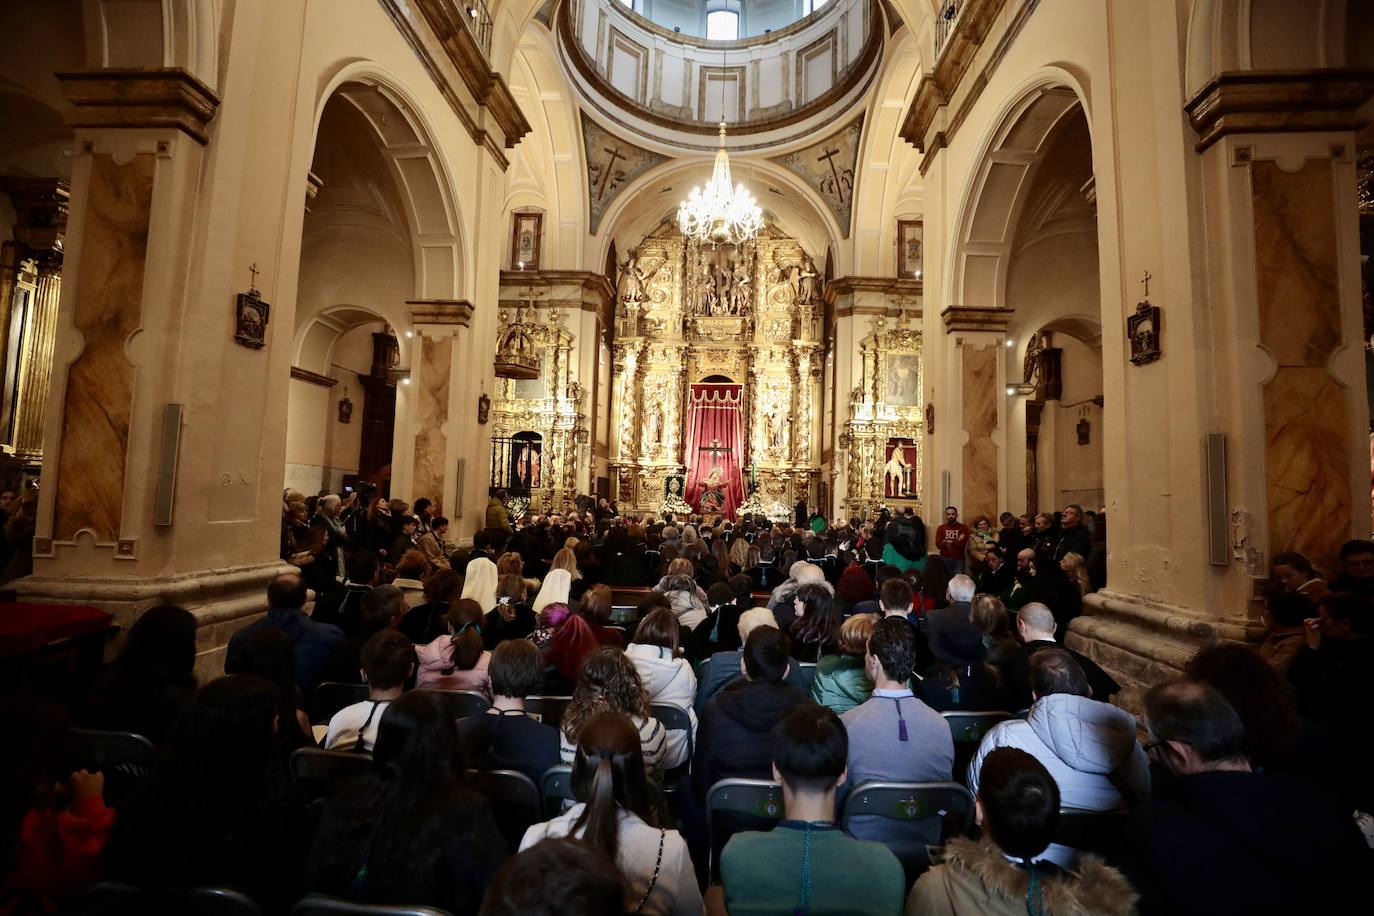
x=312, y=643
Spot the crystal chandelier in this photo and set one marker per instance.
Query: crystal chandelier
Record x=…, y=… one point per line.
x=720, y=214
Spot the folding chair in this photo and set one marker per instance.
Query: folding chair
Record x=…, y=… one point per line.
x=755, y=799
x=912, y=802
x=318, y=773
x=675, y=718
x=514, y=800
x=548, y=710
x=555, y=787
x=332, y=696
x=968, y=728
x=126, y=759
x=320, y=905
x=462, y=703
x=112, y=898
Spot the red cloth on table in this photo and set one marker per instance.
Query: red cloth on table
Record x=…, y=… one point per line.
x=26, y=627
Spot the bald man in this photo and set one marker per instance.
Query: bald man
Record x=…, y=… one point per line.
x=312, y=643
x=1036, y=628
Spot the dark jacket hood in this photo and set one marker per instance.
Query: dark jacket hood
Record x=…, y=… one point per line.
x=758, y=706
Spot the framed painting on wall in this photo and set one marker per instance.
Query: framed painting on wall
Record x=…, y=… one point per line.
x=524, y=242
x=910, y=248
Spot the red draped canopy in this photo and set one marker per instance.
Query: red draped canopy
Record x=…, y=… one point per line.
x=714, y=440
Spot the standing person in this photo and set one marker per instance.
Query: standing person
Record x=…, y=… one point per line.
x=412, y=833
x=800, y=514
x=807, y=864
x=1074, y=536
x=615, y=814
x=1009, y=536
x=327, y=530
x=432, y=542
x=952, y=540
x=498, y=519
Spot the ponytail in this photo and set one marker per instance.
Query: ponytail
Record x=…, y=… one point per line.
x=467, y=646
x=600, y=818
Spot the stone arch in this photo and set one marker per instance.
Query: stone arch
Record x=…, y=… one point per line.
x=418, y=166
x=995, y=193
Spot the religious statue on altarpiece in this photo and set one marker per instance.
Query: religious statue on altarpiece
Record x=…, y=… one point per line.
x=632, y=278
x=806, y=281
x=712, y=497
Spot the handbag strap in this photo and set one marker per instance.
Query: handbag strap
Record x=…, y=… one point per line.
x=658, y=863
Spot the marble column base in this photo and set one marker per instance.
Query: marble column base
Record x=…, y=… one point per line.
x=1141, y=642
x=222, y=600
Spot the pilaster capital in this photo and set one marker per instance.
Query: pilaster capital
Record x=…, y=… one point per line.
x=964, y=318
x=1279, y=101
x=440, y=312
x=124, y=97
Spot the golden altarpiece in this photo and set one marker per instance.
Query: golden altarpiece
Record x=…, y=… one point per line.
x=688, y=314
x=881, y=455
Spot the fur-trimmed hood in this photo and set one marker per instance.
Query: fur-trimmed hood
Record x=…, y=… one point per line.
x=972, y=877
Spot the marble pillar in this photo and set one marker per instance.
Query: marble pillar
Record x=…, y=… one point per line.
x=438, y=325
x=978, y=335
x=1307, y=424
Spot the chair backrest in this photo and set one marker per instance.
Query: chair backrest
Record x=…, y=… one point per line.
x=1090, y=831
x=514, y=799
x=808, y=675
x=548, y=710
x=969, y=727
x=555, y=787
x=319, y=772
x=331, y=696
x=674, y=718
x=623, y=613
x=912, y=801
x=111, y=898
x=759, y=799
x=462, y=703
x=320, y=905
x=101, y=750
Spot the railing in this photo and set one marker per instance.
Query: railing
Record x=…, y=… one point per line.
x=478, y=20
x=945, y=22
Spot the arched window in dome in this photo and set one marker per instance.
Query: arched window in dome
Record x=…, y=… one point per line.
x=722, y=25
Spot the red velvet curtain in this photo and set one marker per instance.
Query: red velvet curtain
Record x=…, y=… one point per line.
x=714, y=439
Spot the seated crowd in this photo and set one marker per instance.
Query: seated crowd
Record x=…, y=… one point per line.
x=816, y=662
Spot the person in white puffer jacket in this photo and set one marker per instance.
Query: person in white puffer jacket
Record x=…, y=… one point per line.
x=1089, y=747
x=668, y=676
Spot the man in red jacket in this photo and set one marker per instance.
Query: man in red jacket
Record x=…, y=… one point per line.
x=951, y=539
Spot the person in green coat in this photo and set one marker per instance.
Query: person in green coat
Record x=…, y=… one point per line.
x=841, y=682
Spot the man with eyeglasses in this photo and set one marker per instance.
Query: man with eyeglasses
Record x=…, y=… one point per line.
x=1226, y=839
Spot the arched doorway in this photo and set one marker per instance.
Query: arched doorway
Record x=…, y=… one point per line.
x=1029, y=245
x=379, y=232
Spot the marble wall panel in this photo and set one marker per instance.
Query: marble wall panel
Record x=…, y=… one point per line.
x=980, y=455
x=107, y=308
x=1306, y=411
x=436, y=359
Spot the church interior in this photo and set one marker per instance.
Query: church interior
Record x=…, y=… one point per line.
x=565, y=279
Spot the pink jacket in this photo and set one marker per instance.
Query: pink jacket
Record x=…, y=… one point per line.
x=437, y=670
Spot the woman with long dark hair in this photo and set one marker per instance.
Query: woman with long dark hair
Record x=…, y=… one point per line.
x=457, y=661
x=412, y=833
x=815, y=629
x=146, y=687
x=512, y=617
x=216, y=812
x=615, y=815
